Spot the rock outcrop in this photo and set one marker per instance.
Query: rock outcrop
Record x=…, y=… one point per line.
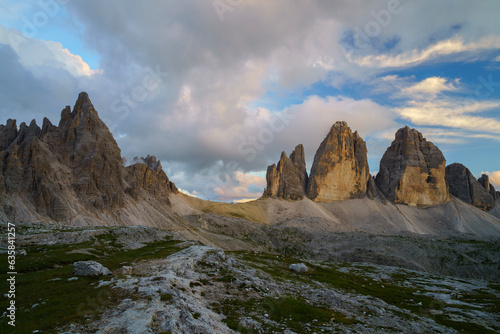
x=61, y=171
x=288, y=179
x=147, y=173
x=340, y=168
x=464, y=186
x=412, y=171
x=490, y=189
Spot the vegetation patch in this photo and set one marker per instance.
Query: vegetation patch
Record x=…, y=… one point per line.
x=46, y=300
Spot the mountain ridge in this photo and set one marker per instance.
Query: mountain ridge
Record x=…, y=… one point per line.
x=73, y=173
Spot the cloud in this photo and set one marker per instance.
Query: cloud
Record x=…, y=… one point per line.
x=455, y=114
x=206, y=111
x=34, y=54
x=246, y=180
x=494, y=178
x=192, y=194
x=431, y=86
x=452, y=46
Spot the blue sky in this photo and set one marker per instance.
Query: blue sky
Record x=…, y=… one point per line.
x=217, y=89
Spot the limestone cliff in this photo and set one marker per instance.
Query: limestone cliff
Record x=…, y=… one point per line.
x=59, y=172
x=464, y=186
x=490, y=189
x=288, y=179
x=147, y=173
x=340, y=168
x=412, y=171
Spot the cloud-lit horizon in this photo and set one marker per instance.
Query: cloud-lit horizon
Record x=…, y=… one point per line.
x=217, y=89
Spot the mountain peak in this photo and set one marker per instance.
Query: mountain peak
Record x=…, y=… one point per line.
x=83, y=105
x=340, y=168
x=412, y=170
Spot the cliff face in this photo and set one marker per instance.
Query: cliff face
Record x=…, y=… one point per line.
x=490, y=189
x=340, y=168
x=147, y=173
x=465, y=187
x=412, y=171
x=288, y=179
x=61, y=171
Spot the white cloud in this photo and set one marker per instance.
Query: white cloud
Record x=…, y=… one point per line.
x=431, y=86
x=34, y=54
x=494, y=178
x=192, y=194
x=455, y=114
x=414, y=57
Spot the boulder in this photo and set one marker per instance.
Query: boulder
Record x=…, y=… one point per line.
x=126, y=270
x=298, y=267
x=288, y=179
x=465, y=187
x=412, y=171
x=90, y=268
x=340, y=168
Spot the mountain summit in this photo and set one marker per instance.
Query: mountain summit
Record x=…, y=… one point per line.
x=340, y=168
x=412, y=171
x=68, y=171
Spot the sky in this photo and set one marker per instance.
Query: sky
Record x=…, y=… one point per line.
x=217, y=89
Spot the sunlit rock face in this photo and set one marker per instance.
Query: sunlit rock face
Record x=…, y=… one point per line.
x=340, y=168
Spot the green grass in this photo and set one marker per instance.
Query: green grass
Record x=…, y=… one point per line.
x=296, y=313
x=45, y=257
x=288, y=312
x=357, y=282
x=166, y=297
x=61, y=302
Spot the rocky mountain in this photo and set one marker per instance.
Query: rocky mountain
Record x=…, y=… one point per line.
x=245, y=276
x=412, y=171
x=147, y=174
x=288, y=179
x=464, y=186
x=73, y=169
x=340, y=168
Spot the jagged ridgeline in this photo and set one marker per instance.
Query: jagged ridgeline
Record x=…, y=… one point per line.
x=73, y=169
x=412, y=171
x=74, y=173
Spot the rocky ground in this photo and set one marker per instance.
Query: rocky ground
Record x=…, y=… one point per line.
x=177, y=286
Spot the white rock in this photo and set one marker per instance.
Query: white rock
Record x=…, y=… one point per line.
x=89, y=268
x=126, y=270
x=298, y=267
